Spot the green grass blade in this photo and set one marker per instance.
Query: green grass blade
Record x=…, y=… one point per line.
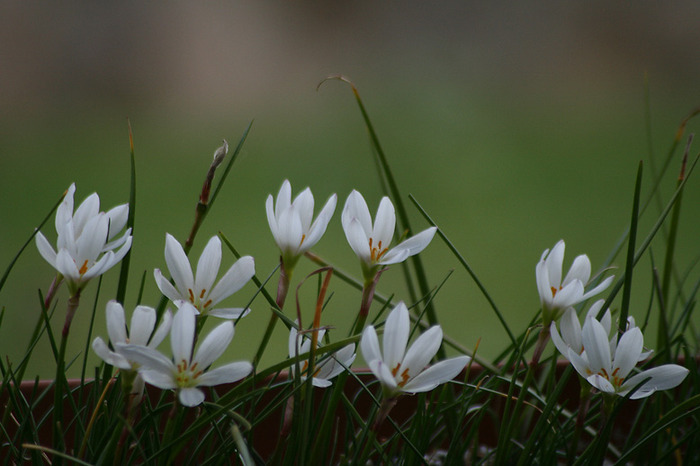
x=629, y=266
x=124, y=270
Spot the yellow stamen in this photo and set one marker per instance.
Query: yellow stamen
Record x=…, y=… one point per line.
x=303, y=237
x=404, y=378
x=201, y=295
x=191, y=295
x=84, y=268
x=395, y=370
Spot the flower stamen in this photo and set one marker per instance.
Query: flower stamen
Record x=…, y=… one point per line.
x=84, y=268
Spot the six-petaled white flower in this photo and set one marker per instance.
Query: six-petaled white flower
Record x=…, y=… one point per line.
x=326, y=366
x=556, y=294
x=291, y=222
x=399, y=370
x=199, y=290
x=186, y=372
x=609, y=371
x=140, y=332
x=85, y=247
x=371, y=242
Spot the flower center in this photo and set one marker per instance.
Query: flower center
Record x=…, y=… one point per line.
x=613, y=378
x=376, y=252
x=187, y=375
x=197, y=300
x=404, y=375
x=554, y=291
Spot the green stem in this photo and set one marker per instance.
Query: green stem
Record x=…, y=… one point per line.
x=541, y=344
x=282, y=289
x=73, y=303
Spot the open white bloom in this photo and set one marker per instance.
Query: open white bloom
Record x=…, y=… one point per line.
x=199, y=290
x=556, y=294
x=371, y=242
x=140, y=332
x=291, y=222
x=399, y=370
x=327, y=366
x=85, y=247
x=185, y=372
x=608, y=372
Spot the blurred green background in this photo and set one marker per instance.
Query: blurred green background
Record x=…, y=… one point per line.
x=514, y=125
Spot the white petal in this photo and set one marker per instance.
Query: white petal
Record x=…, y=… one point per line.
x=543, y=287
x=384, y=224
x=318, y=228
x=628, y=350
x=229, y=373
x=110, y=357
x=147, y=357
x=162, y=330
x=118, y=217
x=284, y=198
x=422, y=351
x=182, y=333
x=369, y=344
x=412, y=246
x=165, y=287
x=598, y=289
x=555, y=261
x=233, y=280
x=116, y=322
x=304, y=206
x=158, y=379
x=396, y=332
x=601, y=383
x=229, y=312
x=64, y=213
x=143, y=321
x=45, y=249
x=178, y=264
x=66, y=266
x=595, y=342
x=358, y=240
x=88, y=209
x=580, y=363
x=568, y=295
x=271, y=218
x=437, y=374
x=571, y=330
x=580, y=270
x=662, y=378
x=214, y=345
x=191, y=397
x=356, y=208
x=208, y=267
x=382, y=373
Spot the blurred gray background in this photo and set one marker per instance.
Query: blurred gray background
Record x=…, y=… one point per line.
x=514, y=125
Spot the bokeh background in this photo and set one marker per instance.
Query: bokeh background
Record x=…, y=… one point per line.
x=514, y=125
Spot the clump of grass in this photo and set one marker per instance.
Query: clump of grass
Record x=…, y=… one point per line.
x=146, y=404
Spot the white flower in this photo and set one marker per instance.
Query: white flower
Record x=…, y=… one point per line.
x=291, y=222
x=608, y=372
x=328, y=366
x=140, y=332
x=199, y=290
x=83, y=247
x=557, y=294
x=371, y=242
x=188, y=372
x=399, y=370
